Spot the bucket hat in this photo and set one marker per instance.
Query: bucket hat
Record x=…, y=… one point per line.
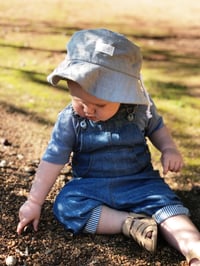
x=105, y=64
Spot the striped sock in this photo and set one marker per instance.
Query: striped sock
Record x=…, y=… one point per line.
x=169, y=211
x=92, y=223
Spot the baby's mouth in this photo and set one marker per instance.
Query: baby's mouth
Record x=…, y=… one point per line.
x=91, y=117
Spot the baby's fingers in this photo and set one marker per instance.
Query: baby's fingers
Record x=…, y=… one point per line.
x=173, y=166
x=166, y=166
x=21, y=225
x=35, y=224
x=178, y=166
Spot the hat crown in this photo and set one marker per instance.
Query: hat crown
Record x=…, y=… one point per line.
x=105, y=64
x=107, y=49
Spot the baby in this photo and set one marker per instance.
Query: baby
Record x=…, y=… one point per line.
x=103, y=132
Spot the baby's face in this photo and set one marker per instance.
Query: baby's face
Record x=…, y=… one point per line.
x=90, y=107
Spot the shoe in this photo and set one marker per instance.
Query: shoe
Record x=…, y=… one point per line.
x=137, y=226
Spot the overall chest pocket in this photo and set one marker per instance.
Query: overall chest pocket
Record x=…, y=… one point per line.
x=107, y=150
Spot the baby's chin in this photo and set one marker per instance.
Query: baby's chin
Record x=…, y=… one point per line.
x=93, y=119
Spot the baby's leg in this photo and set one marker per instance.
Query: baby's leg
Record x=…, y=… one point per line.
x=141, y=228
x=178, y=230
x=182, y=234
x=111, y=221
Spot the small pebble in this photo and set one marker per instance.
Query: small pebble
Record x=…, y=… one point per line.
x=3, y=163
x=6, y=142
x=20, y=156
x=29, y=170
x=11, y=261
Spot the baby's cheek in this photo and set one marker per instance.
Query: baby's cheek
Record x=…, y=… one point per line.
x=78, y=109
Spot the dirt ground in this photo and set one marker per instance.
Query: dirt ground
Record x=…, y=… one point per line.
x=22, y=141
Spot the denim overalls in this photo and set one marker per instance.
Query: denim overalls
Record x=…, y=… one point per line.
x=111, y=166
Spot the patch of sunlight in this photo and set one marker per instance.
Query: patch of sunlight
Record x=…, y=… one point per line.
x=33, y=94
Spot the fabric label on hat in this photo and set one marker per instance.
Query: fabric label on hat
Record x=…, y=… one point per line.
x=105, y=48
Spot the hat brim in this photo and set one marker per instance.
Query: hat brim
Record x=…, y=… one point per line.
x=100, y=81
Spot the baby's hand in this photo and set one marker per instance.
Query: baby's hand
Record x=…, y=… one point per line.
x=29, y=213
x=171, y=160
